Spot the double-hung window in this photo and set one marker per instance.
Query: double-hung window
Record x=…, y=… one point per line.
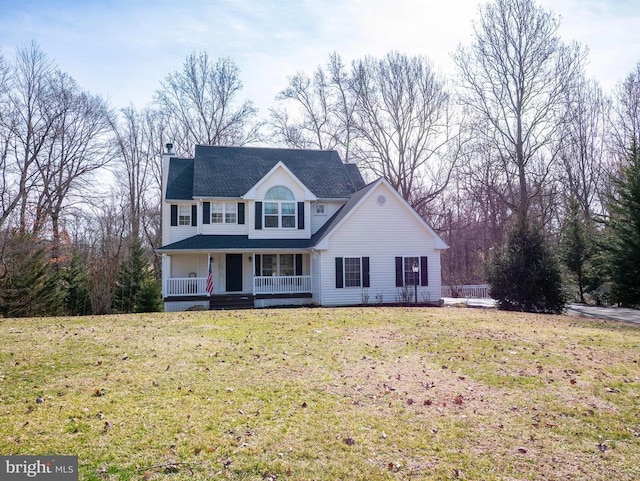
x=412, y=271
x=184, y=215
x=411, y=278
x=224, y=212
x=352, y=272
x=279, y=208
x=277, y=265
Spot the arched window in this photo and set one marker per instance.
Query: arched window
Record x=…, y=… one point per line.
x=279, y=208
x=279, y=192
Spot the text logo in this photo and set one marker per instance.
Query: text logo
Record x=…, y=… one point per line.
x=49, y=468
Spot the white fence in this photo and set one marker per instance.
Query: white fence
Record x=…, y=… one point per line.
x=480, y=291
x=281, y=284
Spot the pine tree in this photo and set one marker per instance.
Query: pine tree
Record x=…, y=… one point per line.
x=29, y=286
x=77, y=301
x=623, y=243
x=578, y=248
x=524, y=275
x=131, y=274
x=148, y=298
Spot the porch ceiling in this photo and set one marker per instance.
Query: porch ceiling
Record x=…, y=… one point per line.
x=203, y=242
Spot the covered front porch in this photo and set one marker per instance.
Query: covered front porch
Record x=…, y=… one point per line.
x=218, y=279
x=270, y=285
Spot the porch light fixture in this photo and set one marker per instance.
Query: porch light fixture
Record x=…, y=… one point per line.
x=415, y=268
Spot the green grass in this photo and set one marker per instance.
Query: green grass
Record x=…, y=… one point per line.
x=325, y=394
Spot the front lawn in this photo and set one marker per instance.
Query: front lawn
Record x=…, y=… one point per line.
x=325, y=394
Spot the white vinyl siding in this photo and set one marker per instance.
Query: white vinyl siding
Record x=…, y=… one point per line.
x=382, y=233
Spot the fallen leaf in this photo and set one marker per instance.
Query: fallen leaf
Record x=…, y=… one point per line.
x=349, y=441
x=522, y=450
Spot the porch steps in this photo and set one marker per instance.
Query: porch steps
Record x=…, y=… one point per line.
x=231, y=301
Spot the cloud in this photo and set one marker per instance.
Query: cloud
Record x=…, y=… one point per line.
x=123, y=48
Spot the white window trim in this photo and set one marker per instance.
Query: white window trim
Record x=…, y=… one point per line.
x=279, y=214
x=184, y=219
x=278, y=268
x=232, y=210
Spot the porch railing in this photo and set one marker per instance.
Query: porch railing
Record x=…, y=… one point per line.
x=186, y=286
x=480, y=291
x=281, y=284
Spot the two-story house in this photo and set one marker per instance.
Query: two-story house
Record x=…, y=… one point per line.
x=245, y=226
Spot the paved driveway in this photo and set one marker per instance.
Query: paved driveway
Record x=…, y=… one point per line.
x=610, y=313
x=594, y=312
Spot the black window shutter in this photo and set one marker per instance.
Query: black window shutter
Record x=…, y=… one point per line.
x=399, y=272
x=300, y=215
x=424, y=274
x=240, y=212
x=206, y=212
x=258, y=215
x=194, y=215
x=298, y=264
x=174, y=215
x=258, y=264
x=366, y=282
x=339, y=275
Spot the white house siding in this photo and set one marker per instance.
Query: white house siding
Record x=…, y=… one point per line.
x=380, y=232
x=222, y=228
x=318, y=220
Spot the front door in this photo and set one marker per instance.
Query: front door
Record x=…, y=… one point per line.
x=234, y=272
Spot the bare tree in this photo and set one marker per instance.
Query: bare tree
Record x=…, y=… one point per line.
x=626, y=118
x=390, y=115
x=317, y=112
x=27, y=123
x=78, y=146
x=404, y=125
x=515, y=76
x=138, y=137
x=583, y=148
x=200, y=104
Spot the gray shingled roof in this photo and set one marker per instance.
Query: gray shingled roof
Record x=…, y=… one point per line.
x=214, y=242
x=233, y=171
x=341, y=213
x=356, y=176
x=180, y=179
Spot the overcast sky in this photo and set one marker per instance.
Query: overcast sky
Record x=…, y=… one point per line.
x=121, y=49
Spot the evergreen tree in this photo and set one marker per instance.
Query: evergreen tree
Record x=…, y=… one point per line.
x=524, y=275
x=29, y=286
x=148, y=298
x=577, y=247
x=131, y=274
x=623, y=243
x=77, y=301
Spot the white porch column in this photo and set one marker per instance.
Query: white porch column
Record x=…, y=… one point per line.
x=166, y=273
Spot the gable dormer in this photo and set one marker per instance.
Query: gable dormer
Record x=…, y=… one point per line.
x=280, y=205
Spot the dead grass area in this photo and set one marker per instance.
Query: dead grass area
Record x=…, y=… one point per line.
x=324, y=394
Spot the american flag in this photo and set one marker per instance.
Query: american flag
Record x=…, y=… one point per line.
x=210, y=280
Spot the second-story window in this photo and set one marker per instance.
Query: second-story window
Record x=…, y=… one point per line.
x=184, y=215
x=279, y=208
x=224, y=212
